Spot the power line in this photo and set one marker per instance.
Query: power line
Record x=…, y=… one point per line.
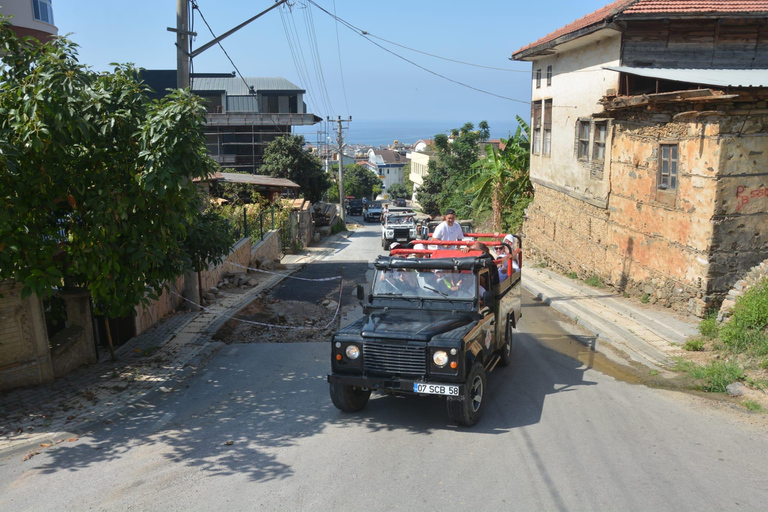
x=363, y=34
x=315, y=49
x=303, y=78
x=195, y=6
x=341, y=71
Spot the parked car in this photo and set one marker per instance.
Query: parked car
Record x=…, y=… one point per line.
x=432, y=325
x=399, y=202
x=355, y=207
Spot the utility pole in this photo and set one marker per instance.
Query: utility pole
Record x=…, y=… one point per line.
x=341, y=166
x=182, y=44
x=183, y=54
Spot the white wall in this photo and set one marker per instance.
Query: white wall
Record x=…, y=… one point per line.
x=578, y=83
x=23, y=15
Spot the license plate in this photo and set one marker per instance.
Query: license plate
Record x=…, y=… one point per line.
x=402, y=239
x=435, y=389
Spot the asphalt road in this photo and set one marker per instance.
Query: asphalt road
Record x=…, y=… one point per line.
x=257, y=431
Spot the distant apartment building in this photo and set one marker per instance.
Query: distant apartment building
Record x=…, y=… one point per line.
x=420, y=157
x=244, y=114
x=30, y=18
x=387, y=165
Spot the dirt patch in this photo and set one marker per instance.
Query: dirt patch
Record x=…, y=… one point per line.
x=288, y=321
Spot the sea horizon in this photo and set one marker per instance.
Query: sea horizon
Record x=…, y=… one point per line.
x=385, y=132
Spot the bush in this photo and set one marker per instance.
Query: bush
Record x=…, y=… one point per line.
x=745, y=331
x=645, y=299
x=595, y=282
x=714, y=376
x=694, y=345
x=708, y=327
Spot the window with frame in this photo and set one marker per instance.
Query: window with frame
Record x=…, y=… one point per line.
x=583, y=136
x=667, y=177
x=538, y=79
x=598, y=151
x=546, y=148
x=549, y=76
x=43, y=11
x=536, y=122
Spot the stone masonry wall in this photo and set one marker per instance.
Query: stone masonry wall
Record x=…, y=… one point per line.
x=649, y=241
x=740, y=239
x=24, y=356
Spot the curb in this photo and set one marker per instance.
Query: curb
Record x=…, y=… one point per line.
x=636, y=348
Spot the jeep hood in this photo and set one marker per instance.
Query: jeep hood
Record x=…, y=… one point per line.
x=416, y=325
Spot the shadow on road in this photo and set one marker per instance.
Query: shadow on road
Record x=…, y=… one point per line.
x=257, y=400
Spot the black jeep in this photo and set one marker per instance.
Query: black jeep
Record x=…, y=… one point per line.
x=355, y=207
x=432, y=326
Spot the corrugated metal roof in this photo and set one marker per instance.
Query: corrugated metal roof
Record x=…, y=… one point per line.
x=251, y=179
x=248, y=103
x=235, y=86
x=716, y=77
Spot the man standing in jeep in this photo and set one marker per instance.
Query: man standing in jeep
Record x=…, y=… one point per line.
x=449, y=229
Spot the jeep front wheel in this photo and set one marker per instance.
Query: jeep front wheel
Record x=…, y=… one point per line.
x=467, y=409
x=349, y=398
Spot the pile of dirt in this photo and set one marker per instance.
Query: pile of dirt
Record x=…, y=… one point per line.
x=307, y=321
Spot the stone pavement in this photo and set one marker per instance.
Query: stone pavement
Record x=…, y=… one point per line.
x=646, y=334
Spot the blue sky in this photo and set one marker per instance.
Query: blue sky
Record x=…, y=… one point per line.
x=379, y=85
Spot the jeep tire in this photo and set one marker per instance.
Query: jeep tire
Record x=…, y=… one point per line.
x=506, y=349
x=467, y=409
x=349, y=398
x=385, y=244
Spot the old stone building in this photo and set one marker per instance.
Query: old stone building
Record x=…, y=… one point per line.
x=650, y=147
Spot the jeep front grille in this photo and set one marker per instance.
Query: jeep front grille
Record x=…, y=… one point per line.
x=401, y=232
x=394, y=359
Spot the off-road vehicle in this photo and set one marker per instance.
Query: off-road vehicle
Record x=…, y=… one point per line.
x=398, y=227
x=355, y=207
x=372, y=211
x=433, y=324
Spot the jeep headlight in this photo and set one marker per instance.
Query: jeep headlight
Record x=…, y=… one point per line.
x=390, y=233
x=353, y=351
x=440, y=358
x=412, y=233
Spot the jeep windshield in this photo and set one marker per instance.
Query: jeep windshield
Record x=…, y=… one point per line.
x=425, y=283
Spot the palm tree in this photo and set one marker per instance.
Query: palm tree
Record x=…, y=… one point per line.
x=503, y=174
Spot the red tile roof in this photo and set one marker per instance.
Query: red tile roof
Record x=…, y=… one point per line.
x=644, y=7
x=696, y=6
x=594, y=18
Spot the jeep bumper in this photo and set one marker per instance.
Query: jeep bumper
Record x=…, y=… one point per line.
x=388, y=384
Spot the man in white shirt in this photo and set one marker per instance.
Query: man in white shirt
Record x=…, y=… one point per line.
x=448, y=229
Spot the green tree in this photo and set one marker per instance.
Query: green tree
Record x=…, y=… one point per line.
x=96, y=180
x=398, y=190
x=359, y=181
x=285, y=157
x=485, y=130
x=503, y=175
x=445, y=183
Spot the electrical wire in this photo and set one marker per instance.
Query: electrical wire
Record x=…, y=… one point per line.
x=341, y=70
x=323, y=97
x=196, y=7
x=310, y=22
x=363, y=34
x=299, y=64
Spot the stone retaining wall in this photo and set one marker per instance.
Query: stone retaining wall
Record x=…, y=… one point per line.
x=750, y=279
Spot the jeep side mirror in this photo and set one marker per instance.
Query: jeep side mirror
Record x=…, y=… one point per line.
x=360, y=292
